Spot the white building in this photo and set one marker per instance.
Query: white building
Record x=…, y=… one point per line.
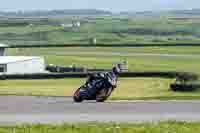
x=76, y=24
x=2, y=49
x=21, y=65
x=71, y=27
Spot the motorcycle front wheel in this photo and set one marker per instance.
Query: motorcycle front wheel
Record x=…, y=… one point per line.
x=77, y=98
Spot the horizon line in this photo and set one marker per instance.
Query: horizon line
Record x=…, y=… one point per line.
x=33, y=10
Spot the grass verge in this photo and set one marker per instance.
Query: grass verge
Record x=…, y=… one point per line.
x=162, y=127
x=106, y=57
x=128, y=89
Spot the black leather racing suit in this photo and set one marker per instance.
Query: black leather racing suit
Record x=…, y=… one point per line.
x=96, y=81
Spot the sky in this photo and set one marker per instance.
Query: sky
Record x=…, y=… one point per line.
x=110, y=5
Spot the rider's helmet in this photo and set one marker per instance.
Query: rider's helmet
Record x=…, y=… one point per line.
x=116, y=69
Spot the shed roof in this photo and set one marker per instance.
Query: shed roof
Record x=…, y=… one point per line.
x=3, y=45
x=13, y=59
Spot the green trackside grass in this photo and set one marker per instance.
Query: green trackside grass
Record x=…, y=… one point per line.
x=128, y=88
x=155, y=50
x=65, y=57
x=61, y=87
x=162, y=127
x=140, y=63
x=28, y=29
x=136, y=88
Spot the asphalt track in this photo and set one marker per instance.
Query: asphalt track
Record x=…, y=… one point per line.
x=56, y=110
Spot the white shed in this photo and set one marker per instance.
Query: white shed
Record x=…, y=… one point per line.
x=21, y=65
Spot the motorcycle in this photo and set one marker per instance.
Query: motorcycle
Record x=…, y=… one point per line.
x=98, y=89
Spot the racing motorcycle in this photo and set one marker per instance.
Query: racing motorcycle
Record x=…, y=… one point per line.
x=98, y=87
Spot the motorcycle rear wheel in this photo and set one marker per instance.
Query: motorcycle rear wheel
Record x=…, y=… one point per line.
x=103, y=95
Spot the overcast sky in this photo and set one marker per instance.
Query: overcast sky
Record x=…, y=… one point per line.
x=111, y=5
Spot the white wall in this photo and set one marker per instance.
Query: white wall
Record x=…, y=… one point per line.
x=2, y=51
x=26, y=67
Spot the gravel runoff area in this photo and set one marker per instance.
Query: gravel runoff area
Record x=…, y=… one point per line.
x=55, y=110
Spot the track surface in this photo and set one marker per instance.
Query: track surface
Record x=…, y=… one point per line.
x=55, y=110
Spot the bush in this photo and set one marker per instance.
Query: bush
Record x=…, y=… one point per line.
x=184, y=78
x=184, y=87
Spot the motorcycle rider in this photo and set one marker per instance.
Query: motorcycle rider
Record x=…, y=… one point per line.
x=95, y=81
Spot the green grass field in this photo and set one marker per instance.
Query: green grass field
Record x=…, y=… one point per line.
x=112, y=30
x=107, y=30
x=162, y=127
x=155, y=50
x=139, y=88
x=128, y=88
x=90, y=58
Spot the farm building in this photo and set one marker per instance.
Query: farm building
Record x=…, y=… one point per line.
x=2, y=49
x=21, y=65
